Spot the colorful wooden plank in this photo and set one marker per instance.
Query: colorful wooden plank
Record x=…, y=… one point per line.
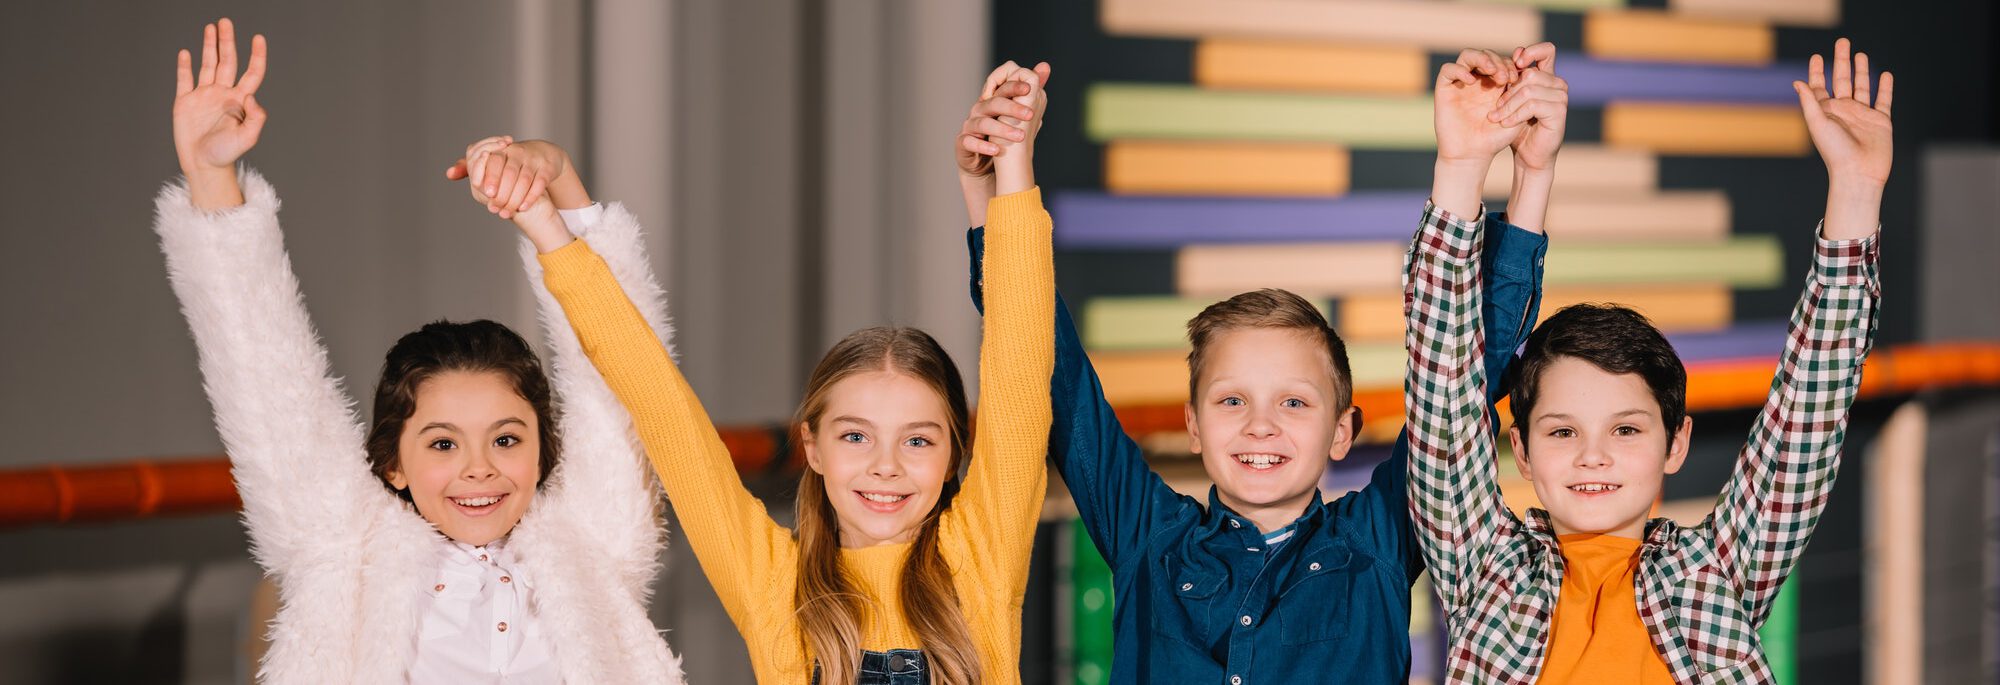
x=1722, y=130
x=1144, y=322
x=1161, y=376
x=1341, y=269
x=1325, y=67
x=1095, y=220
x=1595, y=82
x=1136, y=110
x=1818, y=13
x=1653, y=35
x=1586, y=169
x=1695, y=307
x=1223, y=168
x=1427, y=23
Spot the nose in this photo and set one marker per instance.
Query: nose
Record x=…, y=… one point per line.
x=885, y=463
x=1593, y=456
x=478, y=465
x=1261, y=425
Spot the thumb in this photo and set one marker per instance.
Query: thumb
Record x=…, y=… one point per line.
x=456, y=172
x=253, y=113
x=1042, y=70
x=1807, y=100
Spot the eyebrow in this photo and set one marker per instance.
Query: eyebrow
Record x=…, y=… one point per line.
x=1619, y=415
x=853, y=420
x=933, y=425
x=454, y=428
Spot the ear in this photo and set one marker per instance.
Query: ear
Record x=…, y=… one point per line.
x=1677, y=447
x=811, y=448
x=1343, y=435
x=397, y=480
x=1520, y=452
x=1193, y=427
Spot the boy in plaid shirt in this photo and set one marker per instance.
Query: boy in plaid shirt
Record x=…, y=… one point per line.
x=1590, y=590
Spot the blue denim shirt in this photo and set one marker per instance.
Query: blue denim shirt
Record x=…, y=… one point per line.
x=1196, y=597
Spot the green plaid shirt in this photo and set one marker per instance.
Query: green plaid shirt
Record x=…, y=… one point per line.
x=1702, y=590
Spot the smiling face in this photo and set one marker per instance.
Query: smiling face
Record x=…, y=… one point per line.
x=883, y=448
x=469, y=455
x=1596, y=448
x=1265, y=422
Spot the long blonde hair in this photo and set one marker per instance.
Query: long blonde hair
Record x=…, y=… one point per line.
x=829, y=607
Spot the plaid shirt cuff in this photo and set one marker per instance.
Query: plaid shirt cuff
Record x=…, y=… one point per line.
x=1848, y=262
x=1450, y=235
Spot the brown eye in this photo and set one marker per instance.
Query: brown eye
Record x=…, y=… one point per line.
x=443, y=445
x=506, y=441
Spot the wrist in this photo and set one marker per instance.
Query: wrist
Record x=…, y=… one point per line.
x=212, y=188
x=978, y=190
x=544, y=228
x=1456, y=185
x=1853, y=208
x=1015, y=172
x=567, y=191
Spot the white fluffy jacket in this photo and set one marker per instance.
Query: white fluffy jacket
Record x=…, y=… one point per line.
x=351, y=560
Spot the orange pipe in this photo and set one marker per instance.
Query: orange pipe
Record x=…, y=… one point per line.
x=146, y=488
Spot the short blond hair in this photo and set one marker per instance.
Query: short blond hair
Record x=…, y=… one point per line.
x=1268, y=308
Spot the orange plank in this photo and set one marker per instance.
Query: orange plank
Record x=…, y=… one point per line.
x=1223, y=168
x=1379, y=318
x=1299, y=65
x=1745, y=130
x=1664, y=37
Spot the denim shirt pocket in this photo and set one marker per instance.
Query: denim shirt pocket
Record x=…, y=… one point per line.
x=1189, y=598
x=1314, y=606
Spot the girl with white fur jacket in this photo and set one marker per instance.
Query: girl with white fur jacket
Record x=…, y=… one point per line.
x=441, y=543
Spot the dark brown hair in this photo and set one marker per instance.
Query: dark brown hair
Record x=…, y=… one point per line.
x=828, y=607
x=476, y=346
x=1268, y=308
x=1612, y=338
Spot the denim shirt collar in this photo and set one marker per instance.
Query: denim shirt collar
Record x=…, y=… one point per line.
x=1219, y=521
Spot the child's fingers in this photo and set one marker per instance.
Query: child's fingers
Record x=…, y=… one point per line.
x=1816, y=76
x=991, y=127
x=183, y=74
x=1541, y=56
x=535, y=192
x=1843, y=69
x=978, y=145
x=1861, y=77
x=254, y=75
x=1545, y=109
x=508, y=177
x=253, y=113
x=207, y=73
x=1888, y=88
x=996, y=78
x=523, y=189
x=1042, y=69
x=1455, y=73
x=1808, y=100
x=456, y=171
x=1009, y=106
x=495, y=165
x=225, y=68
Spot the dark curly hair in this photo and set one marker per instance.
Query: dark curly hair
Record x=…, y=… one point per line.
x=477, y=346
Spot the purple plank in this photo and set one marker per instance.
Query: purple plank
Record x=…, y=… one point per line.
x=1352, y=473
x=1594, y=82
x=1096, y=220
x=1756, y=339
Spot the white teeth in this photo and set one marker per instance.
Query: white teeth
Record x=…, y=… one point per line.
x=1260, y=460
x=474, y=501
x=885, y=499
x=1594, y=487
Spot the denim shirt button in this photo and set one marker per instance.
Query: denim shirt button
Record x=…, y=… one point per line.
x=1186, y=587
x=1246, y=620
x=1313, y=567
x=1236, y=680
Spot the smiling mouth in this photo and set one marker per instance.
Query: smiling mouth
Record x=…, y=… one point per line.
x=883, y=502
x=1261, y=461
x=477, y=506
x=1594, y=488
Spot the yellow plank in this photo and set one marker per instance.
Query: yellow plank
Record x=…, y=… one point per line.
x=1379, y=318
x=1585, y=169
x=1430, y=24
x=1311, y=270
x=1745, y=130
x=1819, y=13
x=1296, y=65
x=1223, y=168
x=1660, y=36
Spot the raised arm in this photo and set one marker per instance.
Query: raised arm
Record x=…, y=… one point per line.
x=605, y=484
x=1117, y=495
x=996, y=512
x=1767, y=511
x=288, y=427
x=740, y=548
x=1484, y=102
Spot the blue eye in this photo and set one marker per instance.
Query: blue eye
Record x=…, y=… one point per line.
x=1295, y=403
x=853, y=436
x=1232, y=401
x=918, y=441
x=442, y=444
x=506, y=441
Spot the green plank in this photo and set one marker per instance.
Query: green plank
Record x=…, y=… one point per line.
x=1090, y=596
x=1743, y=262
x=1144, y=322
x=1133, y=110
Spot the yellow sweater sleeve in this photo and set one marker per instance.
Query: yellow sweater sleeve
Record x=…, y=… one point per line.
x=992, y=521
x=738, y=544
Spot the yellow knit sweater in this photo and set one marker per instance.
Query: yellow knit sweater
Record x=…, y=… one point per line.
x=985, y=537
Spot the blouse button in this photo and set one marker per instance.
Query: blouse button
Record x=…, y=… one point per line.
x=482, y=557
x=503, y=626
x=510, y=579
x=439, y=588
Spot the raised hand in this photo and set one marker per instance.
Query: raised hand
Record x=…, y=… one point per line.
x=995, y=116
x=1538, y=104
x=1469, y=129
x=1854, y=137
x=216, y=115
x=510, y=177
x=1014, y=168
